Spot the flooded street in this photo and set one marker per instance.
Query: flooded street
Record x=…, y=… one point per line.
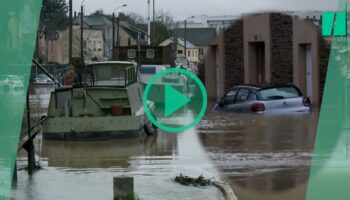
x=261, y=157
x=85, y=169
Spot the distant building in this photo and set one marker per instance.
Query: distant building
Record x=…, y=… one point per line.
x=130, y=35
x=219, y=23
x=192, y=52
x=268, y=48
x=99, y=21
x=202, y=38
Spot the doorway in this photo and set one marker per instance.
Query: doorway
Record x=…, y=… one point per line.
x=257, y=62
x=305, y=73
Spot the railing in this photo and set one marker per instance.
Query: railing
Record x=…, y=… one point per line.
x=130, y=75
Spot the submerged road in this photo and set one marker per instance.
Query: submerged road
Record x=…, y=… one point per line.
x=260, y=157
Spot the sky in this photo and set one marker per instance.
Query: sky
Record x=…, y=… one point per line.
x=181, y=9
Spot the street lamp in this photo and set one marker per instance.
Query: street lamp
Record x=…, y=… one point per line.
x=185, y=21
x=113, y=26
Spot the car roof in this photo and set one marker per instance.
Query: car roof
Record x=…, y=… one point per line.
x=263, y=86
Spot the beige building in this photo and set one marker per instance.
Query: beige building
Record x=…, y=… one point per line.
x=192, y=52
x=129, y=35
x=268, y=48
x=54, y=47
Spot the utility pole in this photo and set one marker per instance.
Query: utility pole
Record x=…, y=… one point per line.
x=154, y=11
x=82, y=34
x=113, y=35
x=118, y=37
x=154, y=23
x=186, y=38
x=149, y=23
x=70, y=31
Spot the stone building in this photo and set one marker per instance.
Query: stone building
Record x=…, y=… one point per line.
x=268, y=48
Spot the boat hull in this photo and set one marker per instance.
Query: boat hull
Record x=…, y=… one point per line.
x=93, y=128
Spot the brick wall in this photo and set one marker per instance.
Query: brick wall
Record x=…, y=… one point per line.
x=234, y=58
x=281, y=48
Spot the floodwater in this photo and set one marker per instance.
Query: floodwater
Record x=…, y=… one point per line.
x=261, y=157
x=85, y=170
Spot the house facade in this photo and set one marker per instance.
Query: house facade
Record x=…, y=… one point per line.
x=98, y=21
x=268, y=48
x=129, y=35
x=192, y=52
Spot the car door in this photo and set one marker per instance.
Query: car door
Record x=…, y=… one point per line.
x=228, y=100
x=241, y=103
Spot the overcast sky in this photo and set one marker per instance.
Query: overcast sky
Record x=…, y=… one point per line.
x=181, y=9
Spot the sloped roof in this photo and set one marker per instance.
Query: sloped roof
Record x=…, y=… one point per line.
x=132, y=30
x=197, y=36
x=94, y=20
x=181, y=42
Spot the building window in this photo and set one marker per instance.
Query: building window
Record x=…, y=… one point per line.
x=150, y=53
x=131, y=53
x=85, y=44
x=129, y=41
x=99, y=46
x=179, y=52
x=201, y=51
x=94, y=45
x=188, y=53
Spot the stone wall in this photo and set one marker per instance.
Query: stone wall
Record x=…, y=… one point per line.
x=281, y=48
x=234, y=58
x=324, y=58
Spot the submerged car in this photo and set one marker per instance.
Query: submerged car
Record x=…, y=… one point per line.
x=268, y=99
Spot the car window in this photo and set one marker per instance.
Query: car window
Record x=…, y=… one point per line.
x=278, y=93
x=242, y=95
x=230, y=97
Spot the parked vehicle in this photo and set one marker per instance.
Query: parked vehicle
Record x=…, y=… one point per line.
x=148, y=71
x=42, y=79
x=266, y=99
x=11, y=84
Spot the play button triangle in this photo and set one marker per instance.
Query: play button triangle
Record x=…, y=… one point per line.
x=174, y=100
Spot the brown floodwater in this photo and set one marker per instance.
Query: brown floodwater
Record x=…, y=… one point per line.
x=261, y=157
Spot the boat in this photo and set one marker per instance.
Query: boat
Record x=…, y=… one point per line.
x=104, y=102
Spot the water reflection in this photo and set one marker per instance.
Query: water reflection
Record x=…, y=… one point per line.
x=85, y=169
x=262, y=157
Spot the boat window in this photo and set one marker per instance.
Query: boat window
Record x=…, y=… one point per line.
x=131, y=53
x=148, y=70
x=150, y=53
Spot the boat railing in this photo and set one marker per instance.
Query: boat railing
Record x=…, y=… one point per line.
x=130, y=75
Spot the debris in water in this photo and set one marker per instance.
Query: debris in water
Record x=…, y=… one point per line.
x=226, y=190
x=186, y=180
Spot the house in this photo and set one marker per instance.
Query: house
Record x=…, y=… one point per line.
x=200, y=37
x=98, y=21
x=192, y=52
x=129, y=35
x=271, y=48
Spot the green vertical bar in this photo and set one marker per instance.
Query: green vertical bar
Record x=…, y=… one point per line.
x=327, y=23
x=340, y=24
x=330, y=170
x=18, y=28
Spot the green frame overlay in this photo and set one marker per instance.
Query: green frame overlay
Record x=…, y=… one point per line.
x=18, y=30
x=330, y=170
